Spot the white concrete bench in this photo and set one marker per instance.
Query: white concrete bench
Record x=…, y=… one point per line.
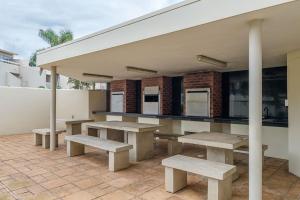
x=118, y=152
x=219, y=175
x=42, y=137
x=174, y=147
x=245, y=150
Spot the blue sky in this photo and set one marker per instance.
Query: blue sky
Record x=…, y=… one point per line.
x=20, y=20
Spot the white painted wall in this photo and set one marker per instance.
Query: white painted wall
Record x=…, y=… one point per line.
x=293, y=67
x=7, y=79
x=24, y=109
x=31, y=77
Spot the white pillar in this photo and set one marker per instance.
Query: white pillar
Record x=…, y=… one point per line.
x=293, y=70
x=255, y=111
x=53, y=109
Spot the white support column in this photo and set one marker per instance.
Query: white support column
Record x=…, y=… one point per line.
x=53, y=109
x=255, y=111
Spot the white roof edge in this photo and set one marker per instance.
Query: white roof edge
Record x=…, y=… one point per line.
x=163, y=21
x=123, y=24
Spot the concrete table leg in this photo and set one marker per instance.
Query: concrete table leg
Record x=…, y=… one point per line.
x=219, y=189
x=174, y=147
x=74, y=129
x=74, y=149
x=175, y=179
x=118, y=160
x=222, y=156
x=142, y=145
x=46, y=141
x=103, y=133
x=37, y=139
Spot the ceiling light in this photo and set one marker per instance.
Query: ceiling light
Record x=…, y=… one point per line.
x=140, y=70
x=213, y=61
x=98, y=76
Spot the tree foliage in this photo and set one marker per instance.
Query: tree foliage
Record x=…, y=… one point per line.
x=76, y=84
x=54, y=39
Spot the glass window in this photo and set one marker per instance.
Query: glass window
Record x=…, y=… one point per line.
x=236, y=97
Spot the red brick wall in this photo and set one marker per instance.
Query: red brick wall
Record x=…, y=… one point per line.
x=129, y=89
x=165, y=89
x=130, y=96
x=212, y=80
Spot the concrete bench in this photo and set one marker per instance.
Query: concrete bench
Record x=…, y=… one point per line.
x=118, y=152
x=42, y=137
x=219, y=175
x=174, y=147
x=245, y=150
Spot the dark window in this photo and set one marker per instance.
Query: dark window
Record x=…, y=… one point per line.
x=236, y=93
x=177, y=92
x=151, y=98
x=138, y=96
x=48, y=78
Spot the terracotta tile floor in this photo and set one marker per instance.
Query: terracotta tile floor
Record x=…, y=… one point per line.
x=29, y=172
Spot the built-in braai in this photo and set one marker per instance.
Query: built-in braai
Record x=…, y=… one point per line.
x=117, y=102
x=151, y=102
x=203, y=94
x=197, y=102
x=123, y=96
x=157, y=95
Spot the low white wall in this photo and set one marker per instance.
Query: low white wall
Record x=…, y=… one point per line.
x=275, y=137
x=24, y=109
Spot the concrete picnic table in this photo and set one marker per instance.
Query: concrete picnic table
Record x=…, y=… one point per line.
x=137, y=134
x=219, y=146
x=73, y=126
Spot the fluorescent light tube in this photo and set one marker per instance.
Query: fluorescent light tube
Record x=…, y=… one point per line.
x=140, y=70
x=98, y=76
x=213, y=61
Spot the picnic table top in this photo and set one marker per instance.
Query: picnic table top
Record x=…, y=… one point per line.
x=215, y=139
x=74, y=121
x=125, y=126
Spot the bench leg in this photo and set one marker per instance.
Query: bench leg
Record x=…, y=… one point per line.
x=118, y=160
x=174, y=147
x=219, y=189
x=175, y=179
x=37, y=139
x=46, y=141
x=74, y=149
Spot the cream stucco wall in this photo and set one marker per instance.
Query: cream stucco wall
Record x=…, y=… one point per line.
x=293, y=60
x=23, y=109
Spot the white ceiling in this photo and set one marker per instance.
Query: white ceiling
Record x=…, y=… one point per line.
x=175, y=53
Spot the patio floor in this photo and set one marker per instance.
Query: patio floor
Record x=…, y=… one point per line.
x=29, y=172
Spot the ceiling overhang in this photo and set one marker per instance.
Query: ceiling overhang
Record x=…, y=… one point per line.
x=168, y=41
